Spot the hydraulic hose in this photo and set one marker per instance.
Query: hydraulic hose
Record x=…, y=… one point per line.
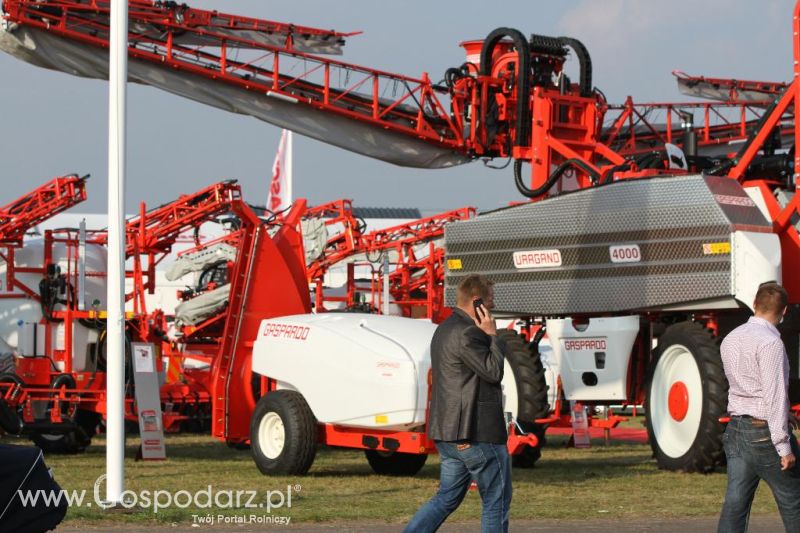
x=608, y=176
x=68, y=382
x=523, y=76
x=650, y=160
x=453, y=74
x=585, y=62
x=552, y=179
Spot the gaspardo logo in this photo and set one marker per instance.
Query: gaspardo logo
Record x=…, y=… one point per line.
x=159, y=499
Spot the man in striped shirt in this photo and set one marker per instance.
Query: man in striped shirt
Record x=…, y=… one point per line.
x=758, y=443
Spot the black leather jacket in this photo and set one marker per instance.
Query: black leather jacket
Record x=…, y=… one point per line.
x=466, y=400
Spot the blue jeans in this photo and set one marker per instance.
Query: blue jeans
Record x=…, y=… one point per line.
x=490, y=467
x=752, y=457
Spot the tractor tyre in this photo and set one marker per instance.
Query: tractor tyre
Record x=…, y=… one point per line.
x=396, y=464
x=77, y=440
x=283, y=434
x=10, y=417
x=525, y=388
x=687, y=393
x=529, y=455
x=73, y=442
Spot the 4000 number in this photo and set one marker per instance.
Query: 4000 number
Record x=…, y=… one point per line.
x=625, y=253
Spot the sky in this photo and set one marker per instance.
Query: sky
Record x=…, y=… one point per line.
x=53, y=124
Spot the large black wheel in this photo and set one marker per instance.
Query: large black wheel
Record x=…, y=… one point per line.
x=72, y=442
x=525, y=392
x=10, y=417
x=687, y=393
x=283, y=434
x=7, y=364
x=395, y=463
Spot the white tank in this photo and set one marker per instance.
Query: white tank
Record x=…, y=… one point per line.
x=593, y=359
x=357, y=370
x=14, y=311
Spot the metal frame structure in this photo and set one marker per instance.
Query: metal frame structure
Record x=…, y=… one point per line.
x=546, y=122
x=513, y=99
x=264, y=265
x=44, y=202
x=641, y=128
x=26, y=212
x=207, y=44
x=150, y=237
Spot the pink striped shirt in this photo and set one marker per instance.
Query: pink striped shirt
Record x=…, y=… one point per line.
x=757, y=369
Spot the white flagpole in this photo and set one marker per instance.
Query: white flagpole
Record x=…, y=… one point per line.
x=289, y=139
x=115, y=326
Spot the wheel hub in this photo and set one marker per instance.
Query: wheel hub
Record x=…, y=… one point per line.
x=271, y=435
x=678, y=401
x=675, y=420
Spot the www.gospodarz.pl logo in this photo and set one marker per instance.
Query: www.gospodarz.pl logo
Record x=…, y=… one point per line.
x=156, y=500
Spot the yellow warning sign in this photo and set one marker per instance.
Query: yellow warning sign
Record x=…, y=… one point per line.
x=381, y=419
x=714, y=248
x=454, y=264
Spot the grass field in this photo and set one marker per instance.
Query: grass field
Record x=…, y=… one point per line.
x=620, y=480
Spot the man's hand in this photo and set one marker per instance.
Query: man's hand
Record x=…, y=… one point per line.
x=787, y=461
x=485, y=321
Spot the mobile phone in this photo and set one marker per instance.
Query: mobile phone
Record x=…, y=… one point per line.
x=476, y=304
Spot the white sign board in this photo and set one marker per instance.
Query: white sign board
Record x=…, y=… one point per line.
x=148, y=401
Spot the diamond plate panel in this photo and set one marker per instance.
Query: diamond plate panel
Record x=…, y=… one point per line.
x=681, y=226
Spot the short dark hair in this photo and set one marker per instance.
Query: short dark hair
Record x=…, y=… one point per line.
x=771, y=298
x=472, y=286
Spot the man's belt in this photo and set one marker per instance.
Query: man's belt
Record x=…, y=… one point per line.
x=753, y=420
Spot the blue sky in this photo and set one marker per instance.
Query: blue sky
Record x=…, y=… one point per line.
x=52, y=123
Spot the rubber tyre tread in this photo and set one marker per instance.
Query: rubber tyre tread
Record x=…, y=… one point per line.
x=529, y=375
x=397, y=464
x=300, y=441
x=532, y=388
x=10, y=419
x=75, y=441
x=706, y=451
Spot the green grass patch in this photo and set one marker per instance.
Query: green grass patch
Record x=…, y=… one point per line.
x=620, y=480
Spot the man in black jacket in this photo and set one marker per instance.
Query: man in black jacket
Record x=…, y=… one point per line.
x=466, y=414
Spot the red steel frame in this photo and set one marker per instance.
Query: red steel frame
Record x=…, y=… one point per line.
x=264, y=265
x=782, y=217
x=417, y=281
x=564, y=126
x=769, y=89
x=41, y=204
x=24, y=213
x=721, y=123
x=418, y=112
x=149, y=236
x=341, y=244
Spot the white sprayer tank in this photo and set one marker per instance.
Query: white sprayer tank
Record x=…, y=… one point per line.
x=358, y=370
x=16, y=307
